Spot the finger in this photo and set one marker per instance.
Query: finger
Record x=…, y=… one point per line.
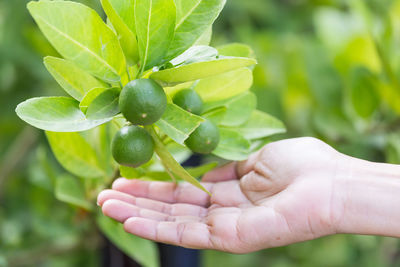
x=112, y=194
x=165, y=192
x=224, y=173
x=185, y=234
x=260, y=186
x=232, y=171
x=229, y=194
x=256, y=182
x=244, y=167
x=169, y=209
x=121, y=211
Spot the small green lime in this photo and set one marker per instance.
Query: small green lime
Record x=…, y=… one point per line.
x=204, y=139
x=142, y=101
x=132, y=146
x=189, y=100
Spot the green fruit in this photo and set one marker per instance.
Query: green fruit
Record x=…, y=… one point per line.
x=132, y=146
x=189, y=100
x=142, y=102
x=204, y=139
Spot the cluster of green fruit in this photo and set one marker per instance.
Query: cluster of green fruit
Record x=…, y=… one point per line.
x=143, y=102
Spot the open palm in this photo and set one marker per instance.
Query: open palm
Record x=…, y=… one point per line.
x=280, y=195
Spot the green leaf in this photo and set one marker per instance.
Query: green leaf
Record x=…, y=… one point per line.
x=157, y=176
x=180, y=152
x=56, y=114
x=260, y=125
x=155, y=24
x=205, y=38
x=238, y=108
x=390, y=96
x=143, y=251
x=89, y=97
x=104, y=106
x=126, y=11
x=201, y=170
x=133, y=71
x=171, y=91
x=75, y=154
x=195, y=54
x=194, y=17
x=232, y=146
x=363, y=94
x=200, y=70
x=117, y=12
x=177, y=123
x=130, y=173
x=236, y=50
x=258, y=144
x=70, y=190
x=100, y=139
x=75, y=81
x=171, y=164
x=215, y=115
x=78, y=34
x=225, y=85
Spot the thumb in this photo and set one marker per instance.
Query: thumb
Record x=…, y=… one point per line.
x=231, y=171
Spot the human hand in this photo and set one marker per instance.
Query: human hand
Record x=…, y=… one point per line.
x=280, y=195
x=290, y=191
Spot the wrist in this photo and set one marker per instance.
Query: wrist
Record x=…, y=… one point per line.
x=368, y=198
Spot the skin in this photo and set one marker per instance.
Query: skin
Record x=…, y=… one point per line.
x=290, y=191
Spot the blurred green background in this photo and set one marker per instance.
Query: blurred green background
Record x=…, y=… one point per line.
x=329, y=69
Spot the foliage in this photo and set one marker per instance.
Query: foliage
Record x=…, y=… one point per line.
x=326, y=68
x=93, y=56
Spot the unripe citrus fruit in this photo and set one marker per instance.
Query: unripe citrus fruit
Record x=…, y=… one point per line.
x=189, y=100
x=204, y=139
x=142, y=101
x=132, y=146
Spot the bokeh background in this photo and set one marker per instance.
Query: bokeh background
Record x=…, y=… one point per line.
x=328, y=69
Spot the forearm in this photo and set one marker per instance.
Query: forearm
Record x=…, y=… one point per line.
x=369, y=198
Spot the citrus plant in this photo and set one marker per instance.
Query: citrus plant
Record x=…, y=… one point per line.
x=146, y=91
